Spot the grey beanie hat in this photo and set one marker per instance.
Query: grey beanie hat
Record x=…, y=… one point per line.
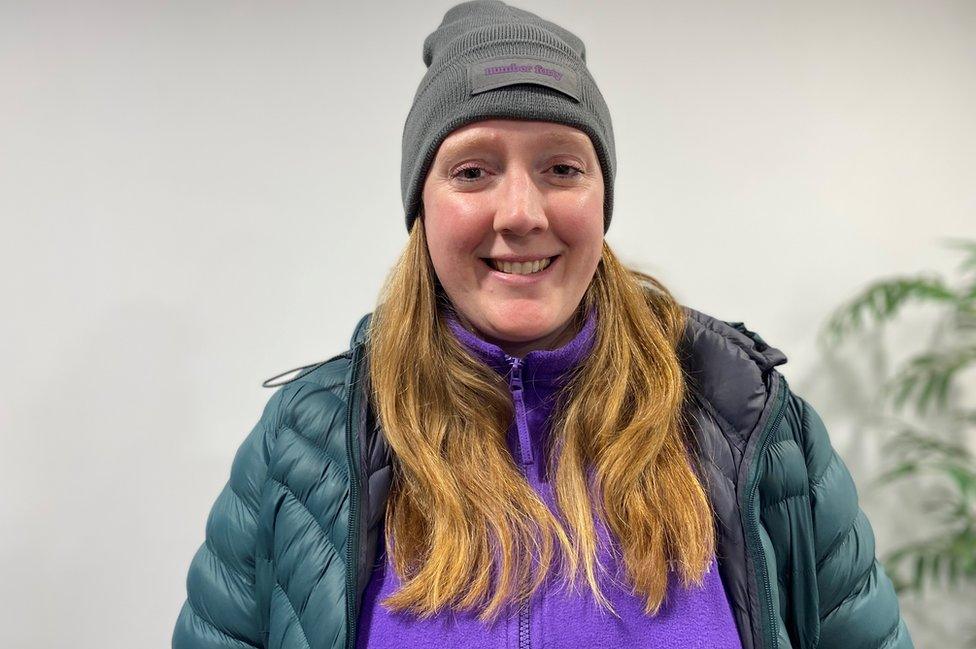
x=490, y=60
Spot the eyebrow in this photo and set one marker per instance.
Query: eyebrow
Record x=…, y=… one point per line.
x=550, y=138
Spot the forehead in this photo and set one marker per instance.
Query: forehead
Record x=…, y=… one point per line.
x=499, y=133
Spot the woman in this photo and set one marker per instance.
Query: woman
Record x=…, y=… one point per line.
x=528, y=444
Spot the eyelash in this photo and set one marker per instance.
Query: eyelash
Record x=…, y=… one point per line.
x=460, y=171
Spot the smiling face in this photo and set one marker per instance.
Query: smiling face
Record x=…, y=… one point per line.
x=515, y=191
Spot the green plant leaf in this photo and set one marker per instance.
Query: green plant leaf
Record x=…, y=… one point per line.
x=930, y=374
x=883, y=300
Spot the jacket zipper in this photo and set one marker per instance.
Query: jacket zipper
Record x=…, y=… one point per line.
x=525, y=457
x=352, y=542
x=753, y=519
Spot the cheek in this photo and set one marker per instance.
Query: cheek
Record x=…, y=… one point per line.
x=584, y=234
x=455, y=231
x=453, y=242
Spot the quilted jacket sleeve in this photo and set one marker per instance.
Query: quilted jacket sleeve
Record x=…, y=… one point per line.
x=220, y=611
x=858, y=606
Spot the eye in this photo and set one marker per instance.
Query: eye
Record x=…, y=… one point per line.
x=460, y=173
x=568, y=167
x=563, y=171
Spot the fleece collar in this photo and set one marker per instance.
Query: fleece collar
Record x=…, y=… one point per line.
x=538, y=366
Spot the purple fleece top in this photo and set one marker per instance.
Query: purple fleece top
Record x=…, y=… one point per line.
x=697, y=617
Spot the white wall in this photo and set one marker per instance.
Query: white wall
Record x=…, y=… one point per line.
x=197, y=195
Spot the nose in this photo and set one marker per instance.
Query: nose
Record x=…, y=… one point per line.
x=521, y=205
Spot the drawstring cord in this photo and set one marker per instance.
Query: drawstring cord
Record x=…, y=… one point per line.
x=309, y=368
x=267, y=382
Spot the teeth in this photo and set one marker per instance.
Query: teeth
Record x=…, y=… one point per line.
x=520, y=268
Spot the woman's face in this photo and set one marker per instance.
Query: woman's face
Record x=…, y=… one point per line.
x=515, y=190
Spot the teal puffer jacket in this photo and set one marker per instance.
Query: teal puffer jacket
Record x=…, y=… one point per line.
x=290, y=540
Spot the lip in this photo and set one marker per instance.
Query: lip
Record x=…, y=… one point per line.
x=521, y=280
x=522, y=258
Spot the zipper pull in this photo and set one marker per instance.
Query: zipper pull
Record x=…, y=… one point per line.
x=516, y=375
x=515, y=382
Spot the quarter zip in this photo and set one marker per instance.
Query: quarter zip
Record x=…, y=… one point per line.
x=525, y=455
x=524, y=642
x=515, y=383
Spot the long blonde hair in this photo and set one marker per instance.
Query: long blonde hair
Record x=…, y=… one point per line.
x=462, y=523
